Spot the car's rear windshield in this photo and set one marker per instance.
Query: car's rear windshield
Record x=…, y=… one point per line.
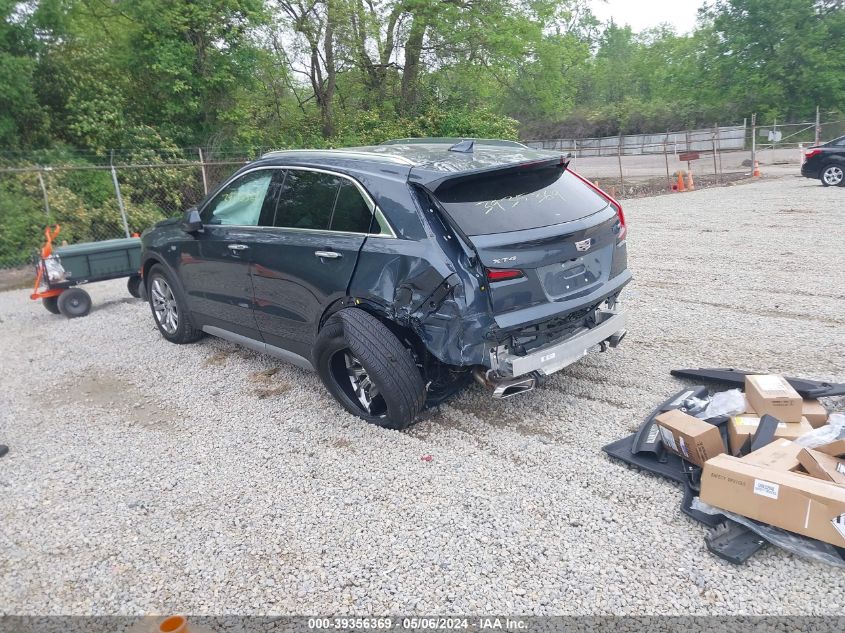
x=518, y=200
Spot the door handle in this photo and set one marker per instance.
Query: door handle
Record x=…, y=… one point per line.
x=327, y=254
x=237, y=247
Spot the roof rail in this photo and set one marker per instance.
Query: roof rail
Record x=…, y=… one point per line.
x=448, y=140
x=351, y=153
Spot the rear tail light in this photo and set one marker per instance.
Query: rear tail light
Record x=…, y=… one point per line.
x=812, y=152
x=503, y=274
x=623, y=227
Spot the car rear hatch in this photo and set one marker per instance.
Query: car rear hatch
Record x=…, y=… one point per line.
x=550, y=242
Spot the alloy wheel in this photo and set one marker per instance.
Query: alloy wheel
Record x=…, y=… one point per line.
x=164, y=305
x=362, y=386
x=833, y=175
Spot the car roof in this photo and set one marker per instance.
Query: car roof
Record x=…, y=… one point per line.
x=430, y=155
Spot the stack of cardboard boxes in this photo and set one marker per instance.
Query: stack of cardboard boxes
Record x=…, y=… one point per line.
x=782, y=484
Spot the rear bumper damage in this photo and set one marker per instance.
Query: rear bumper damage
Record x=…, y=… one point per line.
x=511, y=374
x=554, y=357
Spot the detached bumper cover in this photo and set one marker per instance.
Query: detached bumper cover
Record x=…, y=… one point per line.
x=556, y=356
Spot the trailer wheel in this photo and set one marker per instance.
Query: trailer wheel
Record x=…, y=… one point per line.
x=51, y=303
x=133, y=285
x=74, y=302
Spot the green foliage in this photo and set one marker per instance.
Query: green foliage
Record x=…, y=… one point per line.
x=133, y=81
x=21, y=117
x=370, y=128
x=21, y=220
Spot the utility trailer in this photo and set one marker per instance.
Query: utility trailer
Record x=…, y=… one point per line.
x=60, y=270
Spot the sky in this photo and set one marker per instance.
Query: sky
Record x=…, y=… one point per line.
x=642, y=14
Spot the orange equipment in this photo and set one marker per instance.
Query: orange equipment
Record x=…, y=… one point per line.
x=681, y=185
x=46, y=251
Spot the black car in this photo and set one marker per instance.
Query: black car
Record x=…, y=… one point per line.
x=826, y=162
x=400, y=271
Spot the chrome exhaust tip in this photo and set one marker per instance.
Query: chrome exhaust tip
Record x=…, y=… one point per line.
x=503, y=387
x=513, y=387
x=617, y=337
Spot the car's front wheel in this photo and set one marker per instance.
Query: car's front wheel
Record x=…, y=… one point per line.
x=169, y=308
x=368, y=370
x=833, y=176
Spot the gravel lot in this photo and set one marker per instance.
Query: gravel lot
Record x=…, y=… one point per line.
x=147, y=477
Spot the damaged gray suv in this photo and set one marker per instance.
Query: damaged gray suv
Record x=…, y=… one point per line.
x=399, y=272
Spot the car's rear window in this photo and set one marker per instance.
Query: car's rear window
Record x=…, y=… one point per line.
x=516, y=201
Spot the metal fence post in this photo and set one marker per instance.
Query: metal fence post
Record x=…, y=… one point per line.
x=818, y=127
x=753, y=140
x=719, y=152
x=621, y=177
x=715, y=168
x=119, y=200
x=666, y=158
x=44, y=193
x=204, y=176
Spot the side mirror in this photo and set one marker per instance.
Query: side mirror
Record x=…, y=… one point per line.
x=191, y=221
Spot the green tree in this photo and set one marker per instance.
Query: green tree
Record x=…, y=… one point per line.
x=21, y=116
x=778, y=56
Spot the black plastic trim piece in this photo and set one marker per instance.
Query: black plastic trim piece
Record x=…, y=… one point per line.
x=806, y=388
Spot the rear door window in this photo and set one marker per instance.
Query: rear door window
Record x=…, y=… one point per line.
x=351, y=212
x=518, y=200
x=306, y=200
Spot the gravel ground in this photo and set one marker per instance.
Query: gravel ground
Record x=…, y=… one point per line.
x=146, y=477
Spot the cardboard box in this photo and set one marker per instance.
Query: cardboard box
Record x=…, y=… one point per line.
x=771, y=394
x=815, y=413
x=822, y=466
x=742, y=427
x=792, y=501
x=693, y=439
x=837, y=448
x=779, y=455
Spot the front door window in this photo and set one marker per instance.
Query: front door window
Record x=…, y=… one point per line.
x=242, y=201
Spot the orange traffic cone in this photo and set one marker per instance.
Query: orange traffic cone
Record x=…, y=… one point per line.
x=681, y=186
x=690, y=182
x=756, y=173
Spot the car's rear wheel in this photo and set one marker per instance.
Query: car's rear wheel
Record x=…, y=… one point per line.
x=833, y=176
x=368, y=370
x=169, y=308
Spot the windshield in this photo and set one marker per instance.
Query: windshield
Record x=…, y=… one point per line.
x=497, y=203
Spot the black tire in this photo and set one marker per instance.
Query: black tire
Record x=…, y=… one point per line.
x=133, y=285
x=52, y=304
x=184, y=330
x=74, y=302
x=387, y=364
x=832, y=175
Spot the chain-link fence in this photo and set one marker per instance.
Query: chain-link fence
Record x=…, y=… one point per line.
x=103, y=196
x=96, y=202
x=640, y=164
x=701, y=140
